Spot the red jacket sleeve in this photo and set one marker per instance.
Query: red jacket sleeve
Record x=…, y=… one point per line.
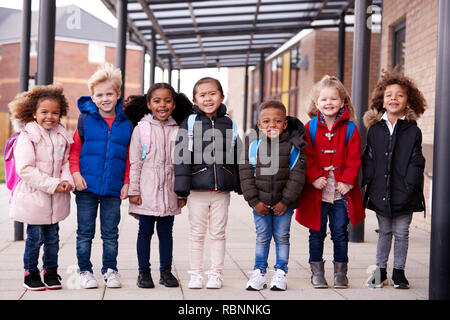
x=126, y=179
x=75, y=151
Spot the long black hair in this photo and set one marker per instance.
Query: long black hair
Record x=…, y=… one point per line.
x=135, y=106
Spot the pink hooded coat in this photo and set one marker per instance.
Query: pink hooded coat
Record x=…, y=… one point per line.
x=153, y=179
x=42, y=161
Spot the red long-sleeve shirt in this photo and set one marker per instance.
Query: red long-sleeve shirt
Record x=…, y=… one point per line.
x=75, y=151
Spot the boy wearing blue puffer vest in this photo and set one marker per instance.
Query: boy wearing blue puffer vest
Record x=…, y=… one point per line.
x=100, y=170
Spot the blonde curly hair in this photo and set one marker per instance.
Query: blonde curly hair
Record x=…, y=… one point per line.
x=328, y=81
x=24, y=105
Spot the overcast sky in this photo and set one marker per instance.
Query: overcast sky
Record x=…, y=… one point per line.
x=96, y=8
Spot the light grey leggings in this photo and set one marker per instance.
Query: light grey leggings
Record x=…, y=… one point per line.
x=399, y=228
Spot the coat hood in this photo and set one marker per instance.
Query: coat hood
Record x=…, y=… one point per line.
x=85, y=104
x=34, y=132
x=372, y=116
x=222, y=111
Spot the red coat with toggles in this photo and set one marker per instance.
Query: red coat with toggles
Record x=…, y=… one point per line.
x=347, y=159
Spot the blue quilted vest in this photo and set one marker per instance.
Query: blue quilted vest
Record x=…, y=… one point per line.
x=104, y=151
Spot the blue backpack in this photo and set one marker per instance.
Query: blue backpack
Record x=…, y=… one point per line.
x=313, y=128
x=253, y=154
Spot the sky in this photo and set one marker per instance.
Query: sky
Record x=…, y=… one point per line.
x=96, y=8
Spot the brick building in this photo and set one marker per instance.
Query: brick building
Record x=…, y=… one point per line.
x=82, y=42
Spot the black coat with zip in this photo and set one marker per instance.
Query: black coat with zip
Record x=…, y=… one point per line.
x=212, y=165
x=393, y=167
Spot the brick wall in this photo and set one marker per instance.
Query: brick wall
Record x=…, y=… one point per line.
x=420, y=64
x=72, y=70
x=321, y=48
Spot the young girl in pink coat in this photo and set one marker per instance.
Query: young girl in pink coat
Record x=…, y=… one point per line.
x=151, y=193
x=42, y=197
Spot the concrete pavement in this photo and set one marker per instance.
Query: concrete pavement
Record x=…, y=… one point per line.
x=238, y=262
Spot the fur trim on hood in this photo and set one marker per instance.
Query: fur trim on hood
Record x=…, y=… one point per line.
x=373, y=116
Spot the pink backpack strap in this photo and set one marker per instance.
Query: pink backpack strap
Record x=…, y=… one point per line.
x=145, y=135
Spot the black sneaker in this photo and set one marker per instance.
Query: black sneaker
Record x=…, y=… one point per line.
x=51, y=279
x=168, y=279
x=32, y=281
x=145, y=279
x=400, y=281
x=378, y=278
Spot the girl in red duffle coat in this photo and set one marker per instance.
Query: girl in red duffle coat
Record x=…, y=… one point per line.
x=332, y=190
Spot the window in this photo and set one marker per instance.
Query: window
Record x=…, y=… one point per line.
x=96, y=53
x=398, y=46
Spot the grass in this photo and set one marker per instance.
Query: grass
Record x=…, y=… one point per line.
x=2, y=169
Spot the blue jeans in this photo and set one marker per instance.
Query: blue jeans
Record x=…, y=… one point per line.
x=87, y=206
x=339, y=235
x=38, y=235
x=278, y=227
x=164, y=226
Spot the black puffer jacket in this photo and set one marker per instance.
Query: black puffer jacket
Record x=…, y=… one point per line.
x=393, y=167
x=285, y=185
x=213, y=166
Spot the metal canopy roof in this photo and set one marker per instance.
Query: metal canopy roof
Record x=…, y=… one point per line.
x=225, y=33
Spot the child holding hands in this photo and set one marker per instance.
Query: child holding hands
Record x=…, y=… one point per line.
x=393, y=166
x=332, y=191
x=151, y=193
x=42, y=197
x=100, y=170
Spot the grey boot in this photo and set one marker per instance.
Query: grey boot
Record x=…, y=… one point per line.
x=318, y=274
x=340, y=275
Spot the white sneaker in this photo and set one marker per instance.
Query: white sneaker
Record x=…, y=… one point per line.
x=196, y=281
x=87, y=280
x=278, y=281
x=257, y=280
x=214, y=280
x=112, y=278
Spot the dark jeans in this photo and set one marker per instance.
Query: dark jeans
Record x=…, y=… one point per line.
x=164, y=226
x=87, y=206
x=338, y=216
x=38, y=235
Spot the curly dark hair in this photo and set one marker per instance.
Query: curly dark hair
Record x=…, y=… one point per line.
x=23, y=107
x=135, y=106
x=416, y=101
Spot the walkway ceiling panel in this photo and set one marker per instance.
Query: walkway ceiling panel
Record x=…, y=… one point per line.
x=211, y=33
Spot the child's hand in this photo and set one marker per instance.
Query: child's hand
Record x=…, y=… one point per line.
x=181, y=203
x=63, y=187
x=137, y=200
x=78, y=180
x=124, y=191
x=261, y=208
x=343, y=187
x=320, y=183
x=279, y=209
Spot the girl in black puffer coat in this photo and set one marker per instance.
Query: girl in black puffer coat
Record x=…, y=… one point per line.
x=393, y=167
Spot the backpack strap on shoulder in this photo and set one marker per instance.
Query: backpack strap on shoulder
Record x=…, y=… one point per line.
x=313, y=129
x=190, y=123
x=80, y=126
x=293, y=157
x=145, y=137
x=350, y=128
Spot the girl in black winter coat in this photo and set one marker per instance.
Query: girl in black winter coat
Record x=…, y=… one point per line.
x=392, y=167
